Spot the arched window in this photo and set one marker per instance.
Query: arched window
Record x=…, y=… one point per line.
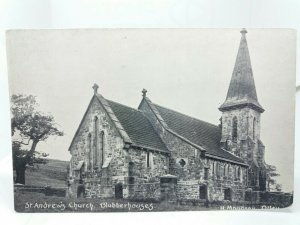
x=96, y=142
x=130, y=169
x=228, y=171
x=218, y=170
x=101, y=148
x=90, y=152
x=254, y=128
x=234, y=129
x=235, y=173
x=239, y=173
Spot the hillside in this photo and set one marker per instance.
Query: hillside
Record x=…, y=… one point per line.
x=53, y=174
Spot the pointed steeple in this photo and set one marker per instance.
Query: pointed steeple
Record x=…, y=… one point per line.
x=242, y=90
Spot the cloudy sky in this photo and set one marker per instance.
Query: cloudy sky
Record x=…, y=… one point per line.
x=188, y=70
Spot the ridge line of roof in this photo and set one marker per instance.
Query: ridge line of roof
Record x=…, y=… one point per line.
x=124, y=135
x=145, y=117
x=125, y=105
x=194, y=118
x=151, y=105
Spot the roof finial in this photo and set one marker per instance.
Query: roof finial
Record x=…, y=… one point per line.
x=243, y=31
x=95, y=87
x=144, y=91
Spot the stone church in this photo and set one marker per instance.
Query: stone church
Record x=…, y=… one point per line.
x=154, y=151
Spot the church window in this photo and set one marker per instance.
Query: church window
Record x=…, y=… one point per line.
x=96, y=141
x=148, y=159
x=203, y=192
x=130, y=169
x=101, y=147
x=218, y=170
x=89, y=150
x=228, y=171
x=241, y=175
x=237, y=173
x=234, y=129
x=206, y=171
x=182, y=162
x=131, y=173
x=254, y=131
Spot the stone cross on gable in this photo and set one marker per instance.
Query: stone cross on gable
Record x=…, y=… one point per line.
x=243, y=31
x=95, y=87
x=144, y=91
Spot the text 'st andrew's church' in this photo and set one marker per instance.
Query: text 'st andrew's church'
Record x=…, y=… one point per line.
x=153, y=152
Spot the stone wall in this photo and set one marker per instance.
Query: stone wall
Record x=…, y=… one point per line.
x=187, y=190
x=245, y=117
x=112, y=144
x=187, y=163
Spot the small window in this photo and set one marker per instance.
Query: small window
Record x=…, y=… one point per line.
x=148, y=159
x=131, y=169
x=228, y=171
x=254, y=128
x=203, y=192
x=182, y=162
x=218, y=170
x=206, y=172
x=239, y=173
x=227, y=194
x=234, y=129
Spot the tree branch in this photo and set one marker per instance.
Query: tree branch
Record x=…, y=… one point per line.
x=22, y=143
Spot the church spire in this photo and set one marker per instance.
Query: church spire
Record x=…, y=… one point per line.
x=242, y=90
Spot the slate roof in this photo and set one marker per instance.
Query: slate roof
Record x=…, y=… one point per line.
x=137, y=126
x=196, y=131
x=242, y=89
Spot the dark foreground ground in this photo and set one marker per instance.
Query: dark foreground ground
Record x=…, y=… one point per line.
x=38, y=202
x=54, y=174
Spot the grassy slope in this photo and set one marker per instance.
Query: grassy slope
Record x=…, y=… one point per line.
x=54, y=174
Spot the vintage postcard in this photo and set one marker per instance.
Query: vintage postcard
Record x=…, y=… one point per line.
x=141, y=120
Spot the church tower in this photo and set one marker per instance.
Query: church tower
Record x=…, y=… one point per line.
x=241, y=113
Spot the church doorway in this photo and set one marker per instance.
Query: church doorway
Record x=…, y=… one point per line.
x=227, y=194
x=119, y=191
x=203, y=192
x=262, y=181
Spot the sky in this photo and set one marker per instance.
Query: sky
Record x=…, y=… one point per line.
x=187, y=70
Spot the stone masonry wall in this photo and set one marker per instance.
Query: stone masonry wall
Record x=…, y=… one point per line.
x=112, y=143
x=185, y=161
x=246, y=129
x=145, y=180
x=191, y=172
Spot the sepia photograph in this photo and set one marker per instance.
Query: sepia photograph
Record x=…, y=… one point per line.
x=142, y=120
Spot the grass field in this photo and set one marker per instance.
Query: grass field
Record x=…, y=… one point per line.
x=54, y=173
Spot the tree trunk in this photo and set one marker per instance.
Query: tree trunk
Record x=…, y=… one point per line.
x=32, y=149
x=21, y=164
x=20, y=172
